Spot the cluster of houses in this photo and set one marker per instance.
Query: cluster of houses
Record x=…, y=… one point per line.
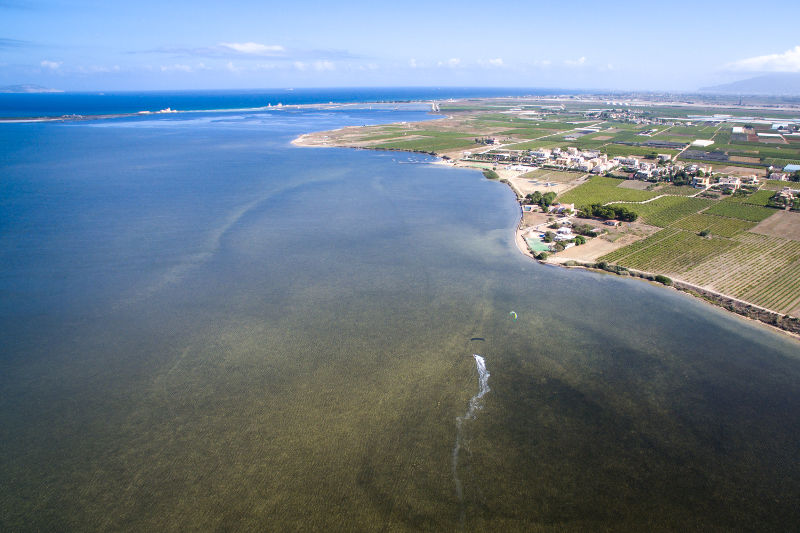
x=726, y=183
x=594, y=162
x=567, y=159
x=731, y=183
x=626, y=115
x=788, y=194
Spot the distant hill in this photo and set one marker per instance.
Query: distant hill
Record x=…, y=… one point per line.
x=29, y=88
x=779, y=84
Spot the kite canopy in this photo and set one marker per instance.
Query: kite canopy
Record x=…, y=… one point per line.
x=513, y=316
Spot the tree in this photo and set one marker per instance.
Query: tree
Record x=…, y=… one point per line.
x=547, y=199
x=549, y=236
x=580, y=239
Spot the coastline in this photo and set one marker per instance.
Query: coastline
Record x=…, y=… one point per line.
x=789, y=326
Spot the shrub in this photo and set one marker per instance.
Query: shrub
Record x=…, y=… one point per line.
x=491, y=174
x=663, y=279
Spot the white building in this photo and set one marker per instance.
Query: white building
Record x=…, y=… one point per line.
x=730, y=182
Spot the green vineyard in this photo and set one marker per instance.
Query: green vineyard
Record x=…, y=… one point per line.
x=600, y=190
x=741, y=211
x=664, y=211
x=756, y=268
x=716, y=225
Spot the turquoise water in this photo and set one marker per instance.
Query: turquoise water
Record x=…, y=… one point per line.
x=205, y=327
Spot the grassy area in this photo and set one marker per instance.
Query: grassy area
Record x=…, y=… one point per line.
x=601, y=190
x=432, y=141
x=753, y=213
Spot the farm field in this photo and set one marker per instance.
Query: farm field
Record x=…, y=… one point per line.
x=670, y=251
x=664, y=211
x=600, y=190
x=784, y=224
x=716, y=225
x=556, y=176
x=757, y=198
x=756, y=268
x=753, y=213
x=683, y=190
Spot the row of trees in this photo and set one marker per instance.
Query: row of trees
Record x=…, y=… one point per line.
x=608, y=212
x=542, y=200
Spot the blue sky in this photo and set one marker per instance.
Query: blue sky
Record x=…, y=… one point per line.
x=141, y=44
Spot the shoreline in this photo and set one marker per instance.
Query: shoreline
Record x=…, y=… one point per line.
x=733, y=306
x=740, y=308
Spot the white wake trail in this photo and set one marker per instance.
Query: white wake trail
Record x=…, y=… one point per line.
x=475, y=405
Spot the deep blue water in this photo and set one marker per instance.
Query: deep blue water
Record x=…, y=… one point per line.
x=205, y=327
x=58, y=104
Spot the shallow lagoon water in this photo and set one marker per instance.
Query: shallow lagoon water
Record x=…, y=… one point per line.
x=205, y=327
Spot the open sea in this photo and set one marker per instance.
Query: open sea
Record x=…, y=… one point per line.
x=204, y=327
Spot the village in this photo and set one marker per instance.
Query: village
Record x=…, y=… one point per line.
x=567, y=226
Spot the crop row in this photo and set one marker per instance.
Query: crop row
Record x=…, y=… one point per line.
x=752, y=213
x=782, y=293
x=618, y=254
x=722, y=226
x=666, y=210
x=600, y=190
x=761, y=270
x=677, y=254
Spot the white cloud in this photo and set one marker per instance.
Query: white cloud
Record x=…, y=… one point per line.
x=231, y=67
x=496, y=62
x=97, y=69
x=452, y=63
x=299, y=65
x=176, y=68
x=52, y=65
x=321, y=66
x=575, y=63
x=789, y=61
x=256, y=49
x=412, y=63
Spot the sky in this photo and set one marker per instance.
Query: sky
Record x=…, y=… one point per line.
x=89, y=45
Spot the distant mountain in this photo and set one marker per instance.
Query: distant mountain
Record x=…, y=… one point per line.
x=779, y=84
x=29, y=88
